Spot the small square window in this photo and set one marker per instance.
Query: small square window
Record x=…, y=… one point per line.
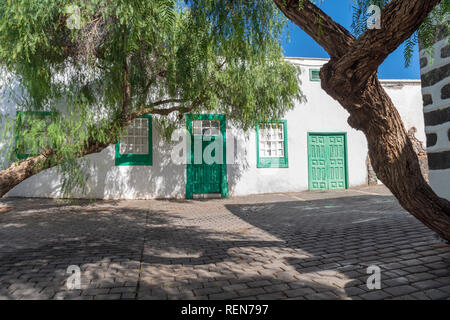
x=206, y=127
x=314, y=74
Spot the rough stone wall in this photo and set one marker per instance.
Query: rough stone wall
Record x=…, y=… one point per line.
x=435, y=74
x=420, y=150
x=372, y=179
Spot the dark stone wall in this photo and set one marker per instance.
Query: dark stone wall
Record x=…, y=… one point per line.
x=434, y=76
x=436, y=100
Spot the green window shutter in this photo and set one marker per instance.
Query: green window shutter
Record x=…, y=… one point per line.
x=136, y=147
x=314, y=74
x=24, y=122
x=268, y=151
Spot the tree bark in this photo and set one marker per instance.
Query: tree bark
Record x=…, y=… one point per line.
x=392, y=154
x=350, y=78
x=18, y=172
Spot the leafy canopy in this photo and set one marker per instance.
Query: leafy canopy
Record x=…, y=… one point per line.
x=200, y=56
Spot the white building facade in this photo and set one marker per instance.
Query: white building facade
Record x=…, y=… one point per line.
x=311, y=148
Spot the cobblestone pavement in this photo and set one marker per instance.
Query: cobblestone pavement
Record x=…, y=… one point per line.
x=309, y=245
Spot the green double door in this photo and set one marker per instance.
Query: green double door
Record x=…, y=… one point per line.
x=206, y=168
x=327, y=161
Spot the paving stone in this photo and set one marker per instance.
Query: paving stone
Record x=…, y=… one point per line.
x=272, y=296
x=412, y=262
x=354, y=291
x=420, y=276
x=400, y=290
x=298, y=292
x=375, y=295
x=123, y=290
x=114, y=296
x=94, y=292
x=237, y=286
x=206, y=291
x=322, y=296
x=395, y=281
x=445, y=289
x=249, y=247
x=276, y=287
x=436, y=294
x=260, y=283
x=416, y=269
x=426, y=284
x=251, y=292
x=223, y=296
x=128, y=296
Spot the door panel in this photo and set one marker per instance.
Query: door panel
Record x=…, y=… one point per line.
x=327, y=161
x=336, y=162
x=317, y=163
x=207, y=177
x=201, y=176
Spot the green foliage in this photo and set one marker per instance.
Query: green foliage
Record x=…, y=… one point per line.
x=360, y=15
x=218, y=56
x=426, y=34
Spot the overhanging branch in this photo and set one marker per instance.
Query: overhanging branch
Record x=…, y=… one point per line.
x=355, y=61
x=399, y=20
x=330, y=35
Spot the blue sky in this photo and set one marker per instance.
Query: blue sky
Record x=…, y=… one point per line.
x=302, y=45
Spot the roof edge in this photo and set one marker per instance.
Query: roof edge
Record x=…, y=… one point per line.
x=386, y=81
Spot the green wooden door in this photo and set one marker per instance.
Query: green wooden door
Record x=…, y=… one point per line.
x=317, y=162
x=206, y=178
x=206, y=168
x=327, y=161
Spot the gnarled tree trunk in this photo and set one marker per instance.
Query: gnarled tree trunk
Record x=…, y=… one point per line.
x=392, y=154
x=18, y=172
x=350, y=78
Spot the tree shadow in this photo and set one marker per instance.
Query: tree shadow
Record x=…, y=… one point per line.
x=315, y=249
x=343, y=236
x=124, y=248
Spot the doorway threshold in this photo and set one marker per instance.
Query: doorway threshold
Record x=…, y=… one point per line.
x=207, y=196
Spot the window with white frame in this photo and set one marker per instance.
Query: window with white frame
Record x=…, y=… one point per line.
x=135, y=146
x=135, y=141
x=271, y=140
x=272, y=144
x=206, y=127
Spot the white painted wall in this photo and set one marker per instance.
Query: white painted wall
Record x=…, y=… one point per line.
x=407, y=97
x=7, y=114
x=165, y=179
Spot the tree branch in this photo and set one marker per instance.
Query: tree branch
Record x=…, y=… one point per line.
x=331, y=36
x=166, y=111
x=30, y=166
x=399, y=20
x=353, y=62
x=125, y=92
